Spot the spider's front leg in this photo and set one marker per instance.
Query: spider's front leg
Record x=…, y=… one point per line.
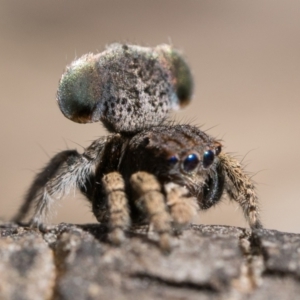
x=152, y=202
x=117, y=204
x=241, y=189
x=177, y=209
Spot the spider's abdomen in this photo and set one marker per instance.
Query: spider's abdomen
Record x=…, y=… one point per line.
x=127, y=87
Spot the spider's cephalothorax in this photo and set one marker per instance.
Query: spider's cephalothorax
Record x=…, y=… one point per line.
x=154, y=172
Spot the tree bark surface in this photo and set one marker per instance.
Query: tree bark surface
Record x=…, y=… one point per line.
x=207, y=262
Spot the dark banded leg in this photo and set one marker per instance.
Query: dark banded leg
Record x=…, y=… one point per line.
x=118, y=211
x=152, y=202
x=241, y=189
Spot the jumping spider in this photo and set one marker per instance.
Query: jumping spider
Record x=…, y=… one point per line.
x=148, y=169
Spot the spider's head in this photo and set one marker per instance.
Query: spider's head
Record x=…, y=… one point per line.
x=181, y=154
x=199, y=170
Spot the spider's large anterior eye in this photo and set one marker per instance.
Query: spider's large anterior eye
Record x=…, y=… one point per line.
x=208, y=158
x=190, y=162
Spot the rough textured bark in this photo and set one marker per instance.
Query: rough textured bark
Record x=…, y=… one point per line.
x=207, y=262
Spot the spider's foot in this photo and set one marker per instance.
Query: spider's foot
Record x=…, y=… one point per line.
x=165, y=242
x=181, y=224
x=116, y=236
x=256, y=224
x=36, y=224
x=42, y=227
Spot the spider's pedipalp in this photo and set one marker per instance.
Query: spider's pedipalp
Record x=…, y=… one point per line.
x=119, y=219
x=182, y=206
x=151, y=201
x=241, y=189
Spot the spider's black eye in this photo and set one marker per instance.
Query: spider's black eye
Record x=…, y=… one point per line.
x=190, y=162
x=218, y=150
x=208, y=158
x=173, y=160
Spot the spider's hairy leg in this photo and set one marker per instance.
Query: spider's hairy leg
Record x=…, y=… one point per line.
x=152, y=202
x=41, y=180
x=241, y=189
x=66, y=171
x=119, y=219
x=183, y=208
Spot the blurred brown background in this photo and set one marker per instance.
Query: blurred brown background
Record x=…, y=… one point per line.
x=245, y=56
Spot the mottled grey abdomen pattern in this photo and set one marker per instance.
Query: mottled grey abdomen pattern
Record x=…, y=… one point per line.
x=128, y=88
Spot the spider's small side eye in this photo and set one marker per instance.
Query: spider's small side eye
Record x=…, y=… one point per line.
x=218, y=150
x=208, y=158
x=173, y=160
x=145, y=141
x=190, y=162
